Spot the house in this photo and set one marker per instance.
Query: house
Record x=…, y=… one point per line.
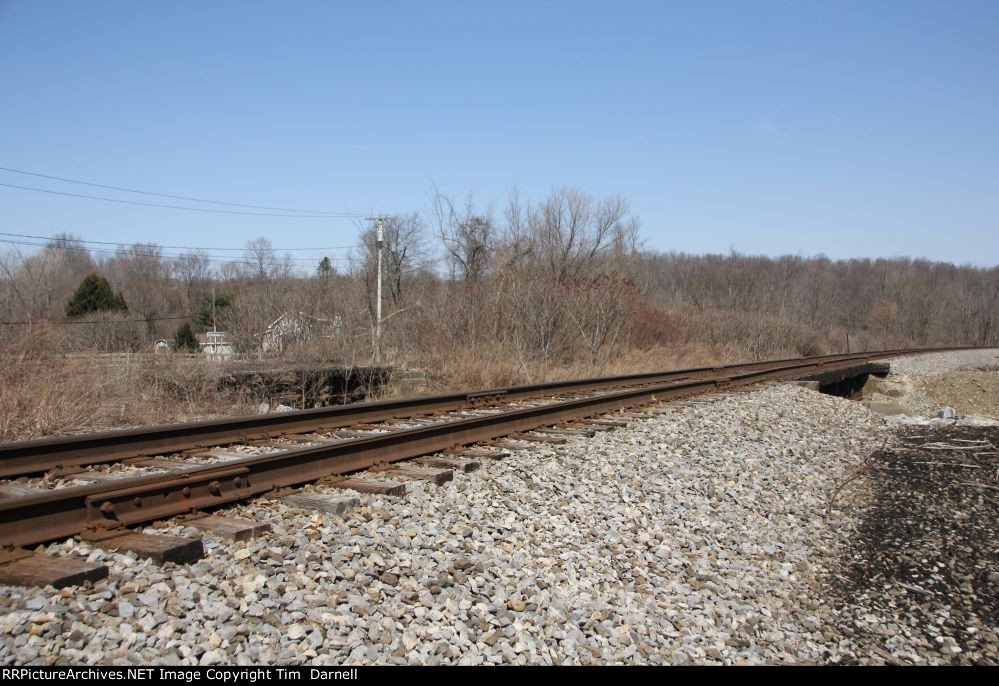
x=215, y=344
x=298, y=327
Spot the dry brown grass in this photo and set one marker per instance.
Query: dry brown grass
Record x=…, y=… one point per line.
x=497, y=367
x=45, y=394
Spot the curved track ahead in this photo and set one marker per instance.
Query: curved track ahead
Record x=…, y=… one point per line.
x=102, y=508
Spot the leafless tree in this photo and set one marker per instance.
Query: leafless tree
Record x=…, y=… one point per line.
x=466, y=235
x=193, y=269
x=569, y=232
x=264, y=263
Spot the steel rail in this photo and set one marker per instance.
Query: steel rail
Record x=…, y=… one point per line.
x=22, y=458
x=105, y=507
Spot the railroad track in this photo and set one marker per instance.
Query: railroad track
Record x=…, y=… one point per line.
x=99, y=486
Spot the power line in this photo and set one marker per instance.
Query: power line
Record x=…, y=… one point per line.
x=176, y=247
x=98, y=321
x=175, y=197
x=135, y=253
x=215, y=259
x=343, y=215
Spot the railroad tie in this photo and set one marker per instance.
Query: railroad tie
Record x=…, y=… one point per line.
x=272, y=443
x=475, y=453
x=233, y=528
x=307, y=438
x=437, y=476
x=557, y=440
x=588, y=433
x=334, y=504
x=350, y=433
x=162, y=463
x=507, y=444
x=460, y=464
x=393, y=488
x=596, y=427
x=159, y=549
x=47, y=570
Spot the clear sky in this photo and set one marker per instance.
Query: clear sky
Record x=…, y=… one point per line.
x=845, y=128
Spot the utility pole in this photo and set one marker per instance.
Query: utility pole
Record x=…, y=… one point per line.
x=379, y=239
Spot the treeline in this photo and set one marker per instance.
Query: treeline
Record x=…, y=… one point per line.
x=481, y=296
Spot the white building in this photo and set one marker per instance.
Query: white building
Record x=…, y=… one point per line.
x=297, y=327
x=216, y=344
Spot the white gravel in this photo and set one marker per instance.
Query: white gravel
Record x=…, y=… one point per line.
x=924, y=386
x=944, y=363
x=702, y=536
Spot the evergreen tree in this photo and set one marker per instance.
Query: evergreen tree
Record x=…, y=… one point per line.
x=184, y=339
x=95, y=295
x=325, y=268
x=204, y=316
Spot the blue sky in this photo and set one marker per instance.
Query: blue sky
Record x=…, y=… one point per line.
x=844, y=128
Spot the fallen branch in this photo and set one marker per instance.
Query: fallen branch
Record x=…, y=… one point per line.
x=952, y=464
x=917, y=589
x=868, y=463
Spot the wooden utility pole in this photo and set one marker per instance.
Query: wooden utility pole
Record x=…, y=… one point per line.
x=379, y=239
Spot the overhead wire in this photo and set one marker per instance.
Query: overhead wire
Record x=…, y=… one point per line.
x=96, y=321
x=73, y=239
x=331, y=213
x=181, y=207
x=131, y=252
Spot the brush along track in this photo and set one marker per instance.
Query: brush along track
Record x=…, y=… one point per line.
x=107, y=508
x=66, y=453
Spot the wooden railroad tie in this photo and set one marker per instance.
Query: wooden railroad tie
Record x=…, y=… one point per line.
x=557, y=440
x=334, y=504
x=476, y=453
x=392, y=488
x=48, y=570
x=159, y=549
x=408, y=471
x=460, y=464
x=588, y=433
x=230, y=527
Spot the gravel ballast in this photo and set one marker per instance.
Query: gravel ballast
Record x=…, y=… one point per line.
x=922, y=581
x=702, y=536
x=932, y=364
x=920, y=386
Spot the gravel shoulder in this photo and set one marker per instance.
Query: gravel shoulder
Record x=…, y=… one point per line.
x=702, y=536
x=921, y=385
x=921, y=580
x=775, y=526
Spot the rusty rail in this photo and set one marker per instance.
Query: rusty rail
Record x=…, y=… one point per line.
x=97, y=509
x=22, y=458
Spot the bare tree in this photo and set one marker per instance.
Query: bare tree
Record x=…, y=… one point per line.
x=569, y=232
x=467, y=236
x=403, y=252
x=193, y=270
x=263, y=262
x=599, y=308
